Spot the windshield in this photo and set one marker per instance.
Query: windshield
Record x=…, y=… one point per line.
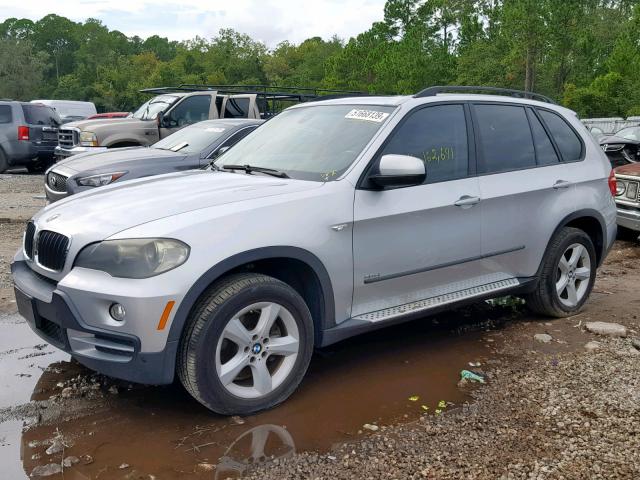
x=150, y=110
x=316, y=143
x=630, y=133
x=192, y=139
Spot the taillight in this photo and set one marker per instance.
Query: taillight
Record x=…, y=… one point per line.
x=613, y=184
x=23, y=132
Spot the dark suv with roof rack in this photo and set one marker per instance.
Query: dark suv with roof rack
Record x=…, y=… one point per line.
x=28, y=135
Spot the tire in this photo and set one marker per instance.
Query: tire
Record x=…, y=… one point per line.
x=546, y=299
x=36, y=167
x=210, y=345
x=4, y=163
x=627, y=234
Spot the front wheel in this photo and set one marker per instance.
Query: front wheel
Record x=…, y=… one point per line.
x=247, y=345
x=567, y=277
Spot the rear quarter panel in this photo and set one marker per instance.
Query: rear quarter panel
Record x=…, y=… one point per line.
x=590, y=177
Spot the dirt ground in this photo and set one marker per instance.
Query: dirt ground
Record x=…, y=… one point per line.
x=383, y=405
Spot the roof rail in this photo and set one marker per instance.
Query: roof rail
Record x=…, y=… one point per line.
x=432, y=91
x=270, y=91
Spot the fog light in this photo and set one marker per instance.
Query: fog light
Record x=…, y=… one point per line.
x=117, y=312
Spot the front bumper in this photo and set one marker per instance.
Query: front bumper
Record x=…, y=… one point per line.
x=68, y=152
x=629, y=217
x=53, y=195
x=53, y=316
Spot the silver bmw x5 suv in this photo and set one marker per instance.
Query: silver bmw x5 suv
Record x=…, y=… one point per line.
x=334, y=218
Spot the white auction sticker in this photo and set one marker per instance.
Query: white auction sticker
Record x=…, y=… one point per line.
x=369, y=115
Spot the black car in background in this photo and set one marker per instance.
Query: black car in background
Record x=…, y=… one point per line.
x=28, y=135
x=192, y=147
x=623, y=147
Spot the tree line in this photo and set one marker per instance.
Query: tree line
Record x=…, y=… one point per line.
x=583, y=53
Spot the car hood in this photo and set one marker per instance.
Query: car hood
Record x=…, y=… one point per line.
x=97, y=123
x=112, y=159
x=633, y=169
x=99, y=213
x=613, y=139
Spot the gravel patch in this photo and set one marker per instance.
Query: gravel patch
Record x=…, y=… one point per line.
x=21, y=196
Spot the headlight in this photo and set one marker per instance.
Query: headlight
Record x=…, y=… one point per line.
x=88, y=139
x=135, y=257
x=620, y=187
x=99, y=180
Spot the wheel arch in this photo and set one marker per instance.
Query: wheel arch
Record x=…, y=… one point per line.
x=592, y=223
x=299, y=268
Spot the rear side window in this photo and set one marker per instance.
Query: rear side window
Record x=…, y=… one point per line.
x=505, y=139
x=40, y=115
x=566, y=139
x=438, y=136
x=237, y=108
x=5, y=114
x=545, y=153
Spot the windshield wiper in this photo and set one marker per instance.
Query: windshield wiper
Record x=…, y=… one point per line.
x=251, y=168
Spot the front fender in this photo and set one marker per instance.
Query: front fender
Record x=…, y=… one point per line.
x=228, y=264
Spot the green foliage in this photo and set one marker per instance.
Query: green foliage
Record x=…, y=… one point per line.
x=21, y=69
x=585, y=53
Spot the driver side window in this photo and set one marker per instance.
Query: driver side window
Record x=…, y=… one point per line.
x=190, y=110
x=438, y=136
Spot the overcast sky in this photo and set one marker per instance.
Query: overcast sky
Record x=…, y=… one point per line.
x=270, y=21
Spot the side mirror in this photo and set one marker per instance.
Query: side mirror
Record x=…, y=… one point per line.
x=160, y=119
x=399, y=171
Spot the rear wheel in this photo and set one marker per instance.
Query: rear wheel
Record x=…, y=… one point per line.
x=4, y=164
x=568, y=275
x=247, y=345
x=36, y=167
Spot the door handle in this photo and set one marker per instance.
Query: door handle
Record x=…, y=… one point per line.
x=466, y=201
x=562, y=184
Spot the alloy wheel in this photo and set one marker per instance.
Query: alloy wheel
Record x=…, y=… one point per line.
x=573, y=275
x=257, y=350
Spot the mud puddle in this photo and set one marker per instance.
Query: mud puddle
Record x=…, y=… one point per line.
x=160, y=432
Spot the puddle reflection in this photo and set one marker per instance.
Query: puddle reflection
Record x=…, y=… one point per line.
x=266, y=443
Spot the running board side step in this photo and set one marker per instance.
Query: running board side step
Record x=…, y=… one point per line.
x=438, y=301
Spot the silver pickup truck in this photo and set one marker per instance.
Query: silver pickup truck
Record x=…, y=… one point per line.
x=155, y=119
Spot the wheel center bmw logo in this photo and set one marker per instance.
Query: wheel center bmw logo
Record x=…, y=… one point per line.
x=256, y=348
